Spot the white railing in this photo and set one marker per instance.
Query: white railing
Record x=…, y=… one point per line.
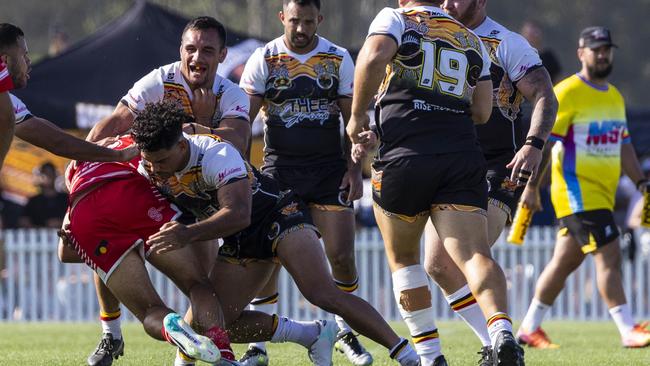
x=35, y=286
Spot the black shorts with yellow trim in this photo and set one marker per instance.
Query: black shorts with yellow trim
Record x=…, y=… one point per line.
x=260, y=240
x=503, y=192
x=317, y=186
x=412, y=186
x=591, y=229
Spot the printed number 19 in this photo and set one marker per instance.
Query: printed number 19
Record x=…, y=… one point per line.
x=451, y=65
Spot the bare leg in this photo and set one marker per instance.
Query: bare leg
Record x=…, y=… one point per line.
x=439, y=264
x=470, y=251
x=337, y=229
x=301, y=254
x=237, y=285
x=567, y=256
x=608, y=271
x=206, y=252
x=184, y=268
x=130, y=282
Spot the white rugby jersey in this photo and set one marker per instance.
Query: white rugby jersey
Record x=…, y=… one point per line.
x=260, y=66
x=301, y=93
x=512, y=58
x=21, y=112
x=167, y=83
x=213, y=163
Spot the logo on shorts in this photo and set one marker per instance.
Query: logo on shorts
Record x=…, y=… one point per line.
x=508, y=185
x=227, y=250
x=290, y=209
x=608, y=230
x=155, y=214
x=274, y=231
x=102, y=248
x=375, y=180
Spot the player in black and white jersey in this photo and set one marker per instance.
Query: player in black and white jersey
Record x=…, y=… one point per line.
x=260, y=224
x=429, y=165
x=516, y=73
x=302, y=83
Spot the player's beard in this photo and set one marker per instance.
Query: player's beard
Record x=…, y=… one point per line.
x=306, y=42
x=596, y=73
x=18, y=73
x=469, y=14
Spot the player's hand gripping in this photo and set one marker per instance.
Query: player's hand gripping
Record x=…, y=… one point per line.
x=171, y=236
x=204, y=104
x=525, y=164
x=353, y=183
x=530, y=198
x=360, y=151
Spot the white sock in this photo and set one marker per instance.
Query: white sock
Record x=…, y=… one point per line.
x=534, y=316
x=111, y=323
x=403, y=353
x=303, y=333
x=420, y=322
x=622, y=316
x=464, y=304
x=351, y=288
x=268, y=305
x=497, y=323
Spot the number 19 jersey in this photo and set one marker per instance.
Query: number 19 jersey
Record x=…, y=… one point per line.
x=424, y=101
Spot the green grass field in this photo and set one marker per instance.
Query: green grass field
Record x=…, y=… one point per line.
x=68, y=344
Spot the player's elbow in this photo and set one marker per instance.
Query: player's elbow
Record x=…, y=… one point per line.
x=481, y=115
x=481, y=107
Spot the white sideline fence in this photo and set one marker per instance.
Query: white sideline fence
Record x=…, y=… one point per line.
x=35, y=286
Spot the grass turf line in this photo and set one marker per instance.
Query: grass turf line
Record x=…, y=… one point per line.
x=582, y=343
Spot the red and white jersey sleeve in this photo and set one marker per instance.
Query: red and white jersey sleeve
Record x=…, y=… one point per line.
x=21, y=112
x=256, y=72
x=6, y=83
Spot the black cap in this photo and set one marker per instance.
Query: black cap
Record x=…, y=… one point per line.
x=594, y=37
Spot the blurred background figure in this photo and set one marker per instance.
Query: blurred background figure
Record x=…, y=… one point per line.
x=533, y=33
x=47, y=208
x=59, y=40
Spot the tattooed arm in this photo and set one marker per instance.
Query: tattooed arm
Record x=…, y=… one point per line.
x=537, y=88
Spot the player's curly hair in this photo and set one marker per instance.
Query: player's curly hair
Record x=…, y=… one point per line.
x=159, y=126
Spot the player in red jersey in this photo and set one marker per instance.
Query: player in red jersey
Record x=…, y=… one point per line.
x=131, y=210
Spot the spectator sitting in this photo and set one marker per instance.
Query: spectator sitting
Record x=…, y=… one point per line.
x=47, y=208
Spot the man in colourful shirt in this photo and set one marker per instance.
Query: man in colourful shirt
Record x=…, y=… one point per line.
x=591, y=145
